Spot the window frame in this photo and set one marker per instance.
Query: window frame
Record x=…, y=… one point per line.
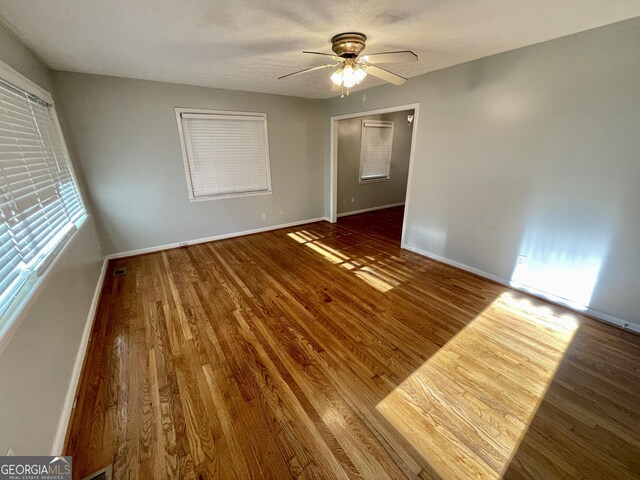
x=388, y=124
x=185, y=152
x=29, y=291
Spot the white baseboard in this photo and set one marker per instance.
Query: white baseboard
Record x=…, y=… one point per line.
x=58, y=441
x=168, y=246
x=372, y=209
x=598, y=315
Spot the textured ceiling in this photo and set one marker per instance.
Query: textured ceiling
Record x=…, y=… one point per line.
x=246, y=45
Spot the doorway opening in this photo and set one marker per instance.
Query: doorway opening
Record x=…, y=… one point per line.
x=371, y=158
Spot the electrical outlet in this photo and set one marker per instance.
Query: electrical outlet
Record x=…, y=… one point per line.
x=282, y=211
x=344, y=201
x=522, y=259
x=264, y=216
x=353, y=199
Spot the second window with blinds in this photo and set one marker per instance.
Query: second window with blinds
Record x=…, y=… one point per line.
x=375, y=150
x=226, y=154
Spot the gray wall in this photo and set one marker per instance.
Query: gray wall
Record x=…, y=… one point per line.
x=126, y=136
x=375, y=194
x=536, y=152
x=37, y=364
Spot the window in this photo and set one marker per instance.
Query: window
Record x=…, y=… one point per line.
x=226, y=154
x=39, y=200
x=375, y=151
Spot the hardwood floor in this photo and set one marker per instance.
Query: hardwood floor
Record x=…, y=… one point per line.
x=326, y=351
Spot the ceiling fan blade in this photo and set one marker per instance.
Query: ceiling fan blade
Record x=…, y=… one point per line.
x=335, y=57
x=308, y=70
x=321, y=53
x=385, y=75
x=403, y=56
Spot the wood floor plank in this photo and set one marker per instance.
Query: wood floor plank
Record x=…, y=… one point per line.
x=326, y=351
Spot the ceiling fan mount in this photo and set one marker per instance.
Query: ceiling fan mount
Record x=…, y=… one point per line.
x=352, y=67
x=348, y=45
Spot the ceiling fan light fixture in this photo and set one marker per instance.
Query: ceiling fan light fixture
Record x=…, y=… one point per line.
x=337, y=76
x=360, y=74
x=348, y=76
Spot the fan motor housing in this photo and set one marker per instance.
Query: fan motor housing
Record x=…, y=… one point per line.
x=348, y=45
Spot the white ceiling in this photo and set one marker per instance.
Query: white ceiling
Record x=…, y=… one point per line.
x=246, y=45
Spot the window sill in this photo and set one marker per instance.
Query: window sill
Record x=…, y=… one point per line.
x=13, y=317
x=230, y=195
x=374, y=180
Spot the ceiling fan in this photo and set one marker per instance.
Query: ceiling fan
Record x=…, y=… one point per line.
x=353, y=67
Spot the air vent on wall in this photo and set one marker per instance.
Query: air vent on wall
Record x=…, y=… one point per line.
x=119, y=271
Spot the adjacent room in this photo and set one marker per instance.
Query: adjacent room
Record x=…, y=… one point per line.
x=354, y=240
x=373, y=158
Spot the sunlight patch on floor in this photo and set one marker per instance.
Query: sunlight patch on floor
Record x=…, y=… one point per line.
x=375, y=281
x=377, y=274
x=466, y=409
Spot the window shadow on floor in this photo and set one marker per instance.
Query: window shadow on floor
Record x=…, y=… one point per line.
x=587, y=424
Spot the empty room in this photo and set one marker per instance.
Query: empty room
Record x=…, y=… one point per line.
x=338, y=240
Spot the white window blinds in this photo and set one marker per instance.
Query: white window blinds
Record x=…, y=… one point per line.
x=375, y=150
x=39, y=201
x=226, y=155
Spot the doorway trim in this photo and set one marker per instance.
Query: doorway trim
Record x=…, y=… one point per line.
x=333, y=183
